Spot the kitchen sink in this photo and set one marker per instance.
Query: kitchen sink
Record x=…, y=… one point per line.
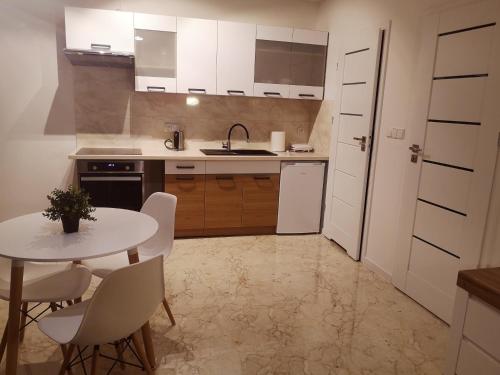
x=238, y=152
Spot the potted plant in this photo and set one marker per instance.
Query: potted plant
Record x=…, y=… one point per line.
x=69, y=206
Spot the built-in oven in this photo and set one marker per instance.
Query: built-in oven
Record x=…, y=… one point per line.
x=113, y=183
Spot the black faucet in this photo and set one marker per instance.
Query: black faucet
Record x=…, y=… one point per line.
x=228, y=144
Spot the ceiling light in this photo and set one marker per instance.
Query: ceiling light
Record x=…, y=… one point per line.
x=192, y=100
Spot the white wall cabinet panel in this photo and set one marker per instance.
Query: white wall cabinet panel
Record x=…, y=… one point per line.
x=278, y=34
x=448, y=187
x=434, y=266
x=100, y=30
x=271, y=90
x=155, y=22
x=310, y=37
x=235, y=58
x=306, y=92
x=453, y=144
x=457, y=99
x=439, y=227
x=464, y=53
x=196, y=56
x=155, y=84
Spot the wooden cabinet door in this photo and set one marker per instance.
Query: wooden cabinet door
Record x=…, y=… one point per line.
x=223, y=201
x=196, y=56
x=260, y=200
x=190, y=193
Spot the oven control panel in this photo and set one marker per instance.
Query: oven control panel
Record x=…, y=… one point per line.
x=110, y=166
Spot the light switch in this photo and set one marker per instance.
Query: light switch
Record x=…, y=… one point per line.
x=396, y=133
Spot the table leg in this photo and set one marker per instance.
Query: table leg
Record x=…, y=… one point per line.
x=78, y=299
x=16, y=290
x=133, y=257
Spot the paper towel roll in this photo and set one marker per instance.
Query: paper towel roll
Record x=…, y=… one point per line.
x=277, y=141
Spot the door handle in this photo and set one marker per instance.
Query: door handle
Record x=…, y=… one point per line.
x=362, y=142
x=415, y=151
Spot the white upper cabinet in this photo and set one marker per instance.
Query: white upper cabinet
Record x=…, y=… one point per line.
x=196, y=56
x=155, y=53
x=310, y=37
x=277, y=34
x=99, y=30
x=235, y=58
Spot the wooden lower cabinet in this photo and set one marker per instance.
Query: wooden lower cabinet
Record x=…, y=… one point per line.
x=260, y=200
x=224, y=204
x=190, y=212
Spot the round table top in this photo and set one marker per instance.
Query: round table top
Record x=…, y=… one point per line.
x=35, y=238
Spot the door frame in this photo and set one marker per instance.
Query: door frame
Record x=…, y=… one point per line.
x=385, y=29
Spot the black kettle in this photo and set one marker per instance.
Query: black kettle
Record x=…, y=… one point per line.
x=176, y=144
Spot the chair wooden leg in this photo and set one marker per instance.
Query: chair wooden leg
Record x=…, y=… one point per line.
x=24, y=314
x=64, y=351
x=3, y=344
x=140, y=352
x=169, y=312
x=119, y=353
x=95, y=360
x=15, y=296
x=148, y=344
x=67, y=359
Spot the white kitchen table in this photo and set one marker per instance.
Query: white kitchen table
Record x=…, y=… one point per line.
x=35, y=238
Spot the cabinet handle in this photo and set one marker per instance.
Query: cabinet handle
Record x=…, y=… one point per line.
x=156, y=89
x=100, y=46
x=306, y=95
x=184, y=178
x=184, y=166
x=261, y=177
x=271, y=93
x=197, y=91
x=236, y=92
x=224, y=177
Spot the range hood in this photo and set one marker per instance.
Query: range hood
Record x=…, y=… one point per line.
x=100, y=58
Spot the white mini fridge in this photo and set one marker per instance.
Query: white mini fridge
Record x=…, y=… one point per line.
x=301, y=197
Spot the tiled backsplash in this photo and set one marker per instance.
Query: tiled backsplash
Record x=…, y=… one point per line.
x=106, y=104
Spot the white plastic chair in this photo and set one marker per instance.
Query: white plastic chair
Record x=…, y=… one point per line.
x=121, y=304
x=43, y=283
x=160, y=206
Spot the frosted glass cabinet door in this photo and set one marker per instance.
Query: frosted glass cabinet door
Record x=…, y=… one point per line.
x=273, y=62
x=235, y=58
x=155, y=61
x=196, y=56
x=99, y=30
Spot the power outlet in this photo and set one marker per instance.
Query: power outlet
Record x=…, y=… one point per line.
x=300, y=131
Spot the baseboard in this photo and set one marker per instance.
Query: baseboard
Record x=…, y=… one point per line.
x=377, y=269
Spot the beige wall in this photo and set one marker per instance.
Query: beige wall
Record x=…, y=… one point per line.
x=37, y=96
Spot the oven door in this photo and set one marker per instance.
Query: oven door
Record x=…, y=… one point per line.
x=114, y=190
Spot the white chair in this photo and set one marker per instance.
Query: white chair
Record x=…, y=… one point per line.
x=121, y=304
x=43, y=283
x=160, y=206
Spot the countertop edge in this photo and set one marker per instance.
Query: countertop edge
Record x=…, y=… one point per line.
x=280, y=157
x=483, y=283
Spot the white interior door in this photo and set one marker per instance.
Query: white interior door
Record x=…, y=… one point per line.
x=447, y=185
x=351, y=141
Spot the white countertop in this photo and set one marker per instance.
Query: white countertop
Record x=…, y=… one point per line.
x=196, y=154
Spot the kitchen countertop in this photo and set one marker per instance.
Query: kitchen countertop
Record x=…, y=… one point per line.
x=484, y=283
x=196, y=154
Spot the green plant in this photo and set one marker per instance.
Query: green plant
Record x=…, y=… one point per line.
x=72, y=203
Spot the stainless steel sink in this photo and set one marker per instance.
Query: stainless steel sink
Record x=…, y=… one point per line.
x=240, y=152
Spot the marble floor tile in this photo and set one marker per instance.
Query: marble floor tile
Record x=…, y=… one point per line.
x=260, y=305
